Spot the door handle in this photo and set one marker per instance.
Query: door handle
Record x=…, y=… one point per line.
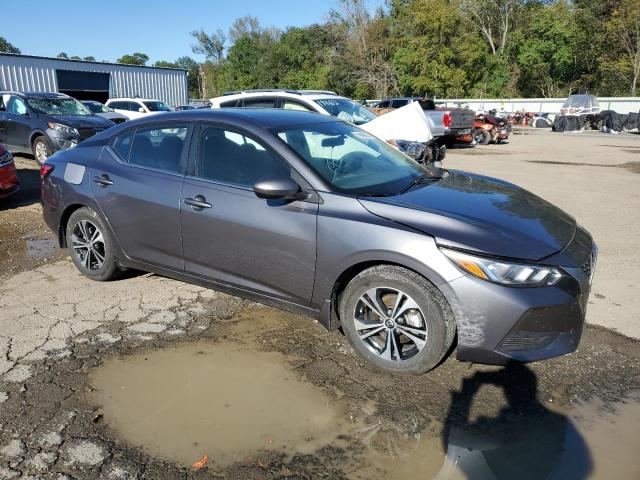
x=197, y=203
x=103, y=180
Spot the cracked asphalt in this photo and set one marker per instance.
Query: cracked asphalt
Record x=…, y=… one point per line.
x=56, y=327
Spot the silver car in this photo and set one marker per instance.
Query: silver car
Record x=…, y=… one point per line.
x=313, y=215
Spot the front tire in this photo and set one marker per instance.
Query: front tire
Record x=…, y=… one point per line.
x=396, y=319
x=482, y=136
x=42, y=149
x=91, y=246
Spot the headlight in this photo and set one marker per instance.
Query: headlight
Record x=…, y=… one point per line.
x=505, y=273
x=63, y=128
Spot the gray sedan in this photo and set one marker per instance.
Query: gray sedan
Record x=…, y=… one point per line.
x=313, y=215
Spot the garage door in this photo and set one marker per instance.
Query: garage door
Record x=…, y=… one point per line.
x=84, y=85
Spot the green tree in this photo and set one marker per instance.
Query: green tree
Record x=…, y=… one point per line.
x=90, y=58
x=624, y=27
x=544, y=52
x=134, y=59
x=63, y=55
x=211, y=46
x=165, y=64
x=6, y=47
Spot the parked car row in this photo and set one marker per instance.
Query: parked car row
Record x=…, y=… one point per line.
x=420, y=144
x=43, y=123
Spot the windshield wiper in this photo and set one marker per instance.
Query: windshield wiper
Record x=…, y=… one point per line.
x=420, y=180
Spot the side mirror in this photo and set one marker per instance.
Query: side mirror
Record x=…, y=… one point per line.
x=281, y=188
x=141, y=110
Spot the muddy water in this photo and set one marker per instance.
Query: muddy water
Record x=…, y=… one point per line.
x=220, y=400
x=236, y=404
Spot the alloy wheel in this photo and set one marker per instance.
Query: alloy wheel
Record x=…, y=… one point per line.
x=88, y=245
x=42, y=153
x=390, y=323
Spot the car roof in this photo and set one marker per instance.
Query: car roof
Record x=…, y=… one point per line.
x=267, y=118
x=294, y=94
x=133, y=99
x=36, y=94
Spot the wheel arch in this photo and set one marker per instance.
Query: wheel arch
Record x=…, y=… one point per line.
x=35, y=134
x=329, y=317
x=64, y=220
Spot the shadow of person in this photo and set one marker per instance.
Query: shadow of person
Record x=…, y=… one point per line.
x=525, y=440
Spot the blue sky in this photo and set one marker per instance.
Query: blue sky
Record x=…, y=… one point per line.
x=108, y=29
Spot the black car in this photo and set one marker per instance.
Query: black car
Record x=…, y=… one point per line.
x=43, y=123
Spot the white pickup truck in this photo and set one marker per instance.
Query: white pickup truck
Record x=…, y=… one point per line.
x=448, y=123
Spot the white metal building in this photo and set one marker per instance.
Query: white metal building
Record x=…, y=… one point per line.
x=92, y=80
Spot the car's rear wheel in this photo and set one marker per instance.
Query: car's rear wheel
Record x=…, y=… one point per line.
x=91, y=246
x=396, y=319
x=481, y=136
x=42, y=149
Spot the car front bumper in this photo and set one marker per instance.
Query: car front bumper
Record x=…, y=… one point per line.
x=497, y=324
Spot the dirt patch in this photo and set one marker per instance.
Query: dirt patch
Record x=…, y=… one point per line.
x=631, y=166
x=382, y=426
x=22, y=229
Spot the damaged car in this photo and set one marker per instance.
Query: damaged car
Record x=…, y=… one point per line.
x=317, y=216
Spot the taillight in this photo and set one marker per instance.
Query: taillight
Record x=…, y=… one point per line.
x=45, y=170
x=447, y=119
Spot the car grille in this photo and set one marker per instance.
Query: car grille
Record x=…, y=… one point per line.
x=86, y=133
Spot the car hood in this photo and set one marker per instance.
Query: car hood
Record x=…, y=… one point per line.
x=482, y=214
x=82, y=121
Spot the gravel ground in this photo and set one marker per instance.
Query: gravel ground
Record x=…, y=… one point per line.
x=57, y=327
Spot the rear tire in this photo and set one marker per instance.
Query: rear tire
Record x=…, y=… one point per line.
x=42, y=149
x=91, y=246
x=415, y=327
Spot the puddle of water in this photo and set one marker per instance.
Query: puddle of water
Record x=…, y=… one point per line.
x=41, y=248
x=216, y=399
x=234, y=403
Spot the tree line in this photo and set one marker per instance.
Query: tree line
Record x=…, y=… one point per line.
x=441, y=48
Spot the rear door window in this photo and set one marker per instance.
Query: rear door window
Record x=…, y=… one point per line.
x=159, y=147
x=122, y=145
x=229, y=103
x=263, y=102
x=293, y=105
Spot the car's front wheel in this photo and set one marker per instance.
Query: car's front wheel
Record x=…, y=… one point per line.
x=396, y=319
x=42, y=149
x=91, y=246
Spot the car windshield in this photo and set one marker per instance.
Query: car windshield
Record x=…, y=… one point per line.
x=157, y=106
x=352, y=160
x=58, y=106
x=97, y=107
x=347, y=110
